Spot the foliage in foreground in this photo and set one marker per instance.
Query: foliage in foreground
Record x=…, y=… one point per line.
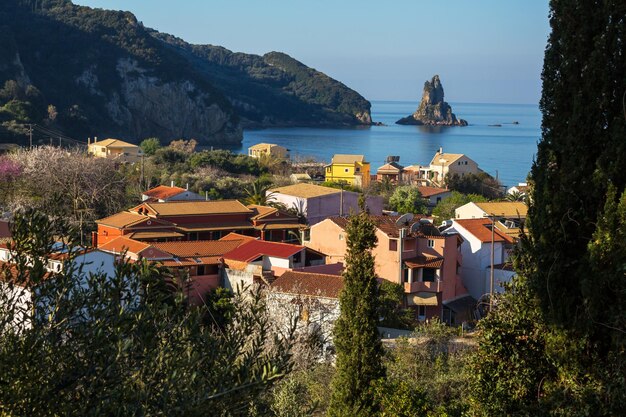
x=123, y=345
x=356, y=338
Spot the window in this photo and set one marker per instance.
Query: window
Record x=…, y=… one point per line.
x=201, y=270
x=393, y=245
x=465, y=162
x=346, y=170
x=428, y=275
x=340, y=236
x=421, y=313
x=431, y=243
x=405, y=274
x=438, y=199
x=297, y=258
x=357, y=169
x=458, y=163
x=329, y=169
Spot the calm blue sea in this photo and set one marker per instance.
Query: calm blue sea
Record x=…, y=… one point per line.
x=507, y=151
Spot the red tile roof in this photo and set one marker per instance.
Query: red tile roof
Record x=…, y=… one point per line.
x=426, y=191
x=424, y=261
x=163, y=192
x=238, y=236
x=10, y=274
x=313, y=284
x=253, y=249
x=122, y=243
x=481, y=229
x=198, y=248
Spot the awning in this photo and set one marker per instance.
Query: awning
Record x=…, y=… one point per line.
x=422, y=299
x=278, y=226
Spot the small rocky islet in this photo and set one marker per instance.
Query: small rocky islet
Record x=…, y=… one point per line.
x=433, y=110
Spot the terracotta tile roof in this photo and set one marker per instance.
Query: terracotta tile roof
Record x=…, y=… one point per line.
x=191, y=208
x=347, y=158
x=313, y=284
x=123, y=219
x=253, y=249
x=122, y=243
x=510, y=209
x=207, y=227
x=154, y=235
x=277, y=226
x=238, y=236
x=264, y=146
x=198, y=248
x=424, y=261
x=115, y=143
x=387, y=225
x=327, y=269
x=481, y=229
x=163, y=192
x=426, y=191
x=259, y=212
x=391, y=167
x=305, y=190
x=449, y=158
x=9, y=274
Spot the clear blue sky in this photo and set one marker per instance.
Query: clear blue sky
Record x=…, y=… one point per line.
x=484, y=50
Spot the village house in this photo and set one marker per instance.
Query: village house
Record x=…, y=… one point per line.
x=317, y=203
x=412, y=253
x=163, y=193
x=391, y=171
x=196, y=220
x=512, y=213
x=353, y=169
x=433, y=195
x=115, y=149
x=521, y=188
x=300, y=177
x=444, y=164
x=476, y=252
x=312, y=298
x=198, y=262
x=259, y=262
x=268, y=150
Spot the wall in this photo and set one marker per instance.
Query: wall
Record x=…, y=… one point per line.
x=469, y=211
x=325, y=238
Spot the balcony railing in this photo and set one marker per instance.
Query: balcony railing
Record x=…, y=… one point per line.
x=434, y=286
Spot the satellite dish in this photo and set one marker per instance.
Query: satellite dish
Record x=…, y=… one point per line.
x=426, y=221
x=404, y=220
x=415, y=227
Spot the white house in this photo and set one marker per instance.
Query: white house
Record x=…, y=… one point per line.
x=514, y=211
x=318, y=203
x=444, y=164
x=476, y=253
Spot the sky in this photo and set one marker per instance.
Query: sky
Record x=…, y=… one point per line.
x=485, y=51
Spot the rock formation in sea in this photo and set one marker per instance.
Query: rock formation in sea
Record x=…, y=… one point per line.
x=433, y=110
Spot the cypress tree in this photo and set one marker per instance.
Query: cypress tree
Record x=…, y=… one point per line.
x=358, y=346
x=582, y=151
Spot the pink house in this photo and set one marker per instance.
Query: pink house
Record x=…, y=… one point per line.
x=413, y=254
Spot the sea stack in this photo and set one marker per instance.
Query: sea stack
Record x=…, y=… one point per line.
x=433, y=110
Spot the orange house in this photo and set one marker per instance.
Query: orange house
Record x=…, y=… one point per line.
x=196, y=220
x=411, y=253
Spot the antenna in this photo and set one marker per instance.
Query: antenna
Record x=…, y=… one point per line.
x=404, y=220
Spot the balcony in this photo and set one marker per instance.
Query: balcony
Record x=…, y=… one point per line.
x=434, y=286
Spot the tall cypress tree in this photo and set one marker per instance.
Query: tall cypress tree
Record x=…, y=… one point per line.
x=359, y=350
x=582, y=151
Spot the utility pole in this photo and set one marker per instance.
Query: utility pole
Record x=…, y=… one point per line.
x=142, y=178
x=493, y=226
x=30, y=135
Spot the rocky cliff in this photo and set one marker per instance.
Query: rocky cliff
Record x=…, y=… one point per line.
x=93, y=72
x=433, y=110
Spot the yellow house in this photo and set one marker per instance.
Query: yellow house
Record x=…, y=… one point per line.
x=350, y=168
x=115, y=149
x=269, y=149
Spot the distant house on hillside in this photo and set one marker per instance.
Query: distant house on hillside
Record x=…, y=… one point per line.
x=352, y=169
x=317, y=202
x=392, y=171
x=444, y=164
x=115, y=149
x=268, y=149
x=163, y=193
x=433, y=195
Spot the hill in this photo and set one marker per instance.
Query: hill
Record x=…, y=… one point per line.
x=93, y=72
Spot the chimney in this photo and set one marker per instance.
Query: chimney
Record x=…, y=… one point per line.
x=187, y=187
x=206, y=195
x=88, y=141
x=94, y=239
x=440, y=150
x=172, y=184
x=95, y=139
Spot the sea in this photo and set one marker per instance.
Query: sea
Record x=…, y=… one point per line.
x=501, y=138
